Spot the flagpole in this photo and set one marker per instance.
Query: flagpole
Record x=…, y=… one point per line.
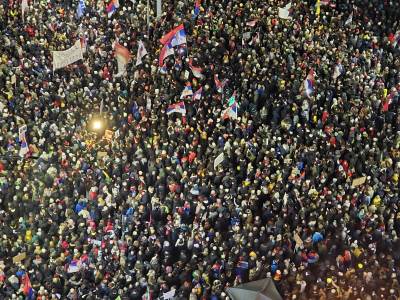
x=147, y=17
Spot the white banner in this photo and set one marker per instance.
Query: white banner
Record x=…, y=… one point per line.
x=219, y=159
x=121, y=67
x=66, y=57
x=159, y=11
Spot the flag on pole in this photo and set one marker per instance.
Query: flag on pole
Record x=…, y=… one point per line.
x=396, y=39
x=284, y=13
x=196, y=10
x=175, y=37
x=112, y=7
x=318, y=8
x=123, y=57
x=148, y=295
x=349, y=20
x=141, y=53
x=220, y=85
x=187, y=91
x=80, y=10
x=231, y=112
x=309, y=83
x=28, y=291
x=166, y=51
x=232, y=99
x=177, y=107
x=198, y=94
x=197, y=72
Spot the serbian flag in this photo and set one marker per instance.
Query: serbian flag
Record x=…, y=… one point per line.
x=309, y=83
x=220, y=85
x=112, y=7
x=175, y=37
x=198, y=94
x=123, y=57
x=195, y=70
x=196, y=10
x=28, y=291
x=231, y=112
x=166, y=51
x=177, y=107
x=187, y=91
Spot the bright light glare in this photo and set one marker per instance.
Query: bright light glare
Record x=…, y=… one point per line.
x=97, y=125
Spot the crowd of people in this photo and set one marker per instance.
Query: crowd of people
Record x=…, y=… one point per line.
x=307, y=192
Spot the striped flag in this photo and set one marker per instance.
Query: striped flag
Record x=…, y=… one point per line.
x=198, y=94
x=187, y=91
x=112, y=7
x=123, y=57
x=177, y=107
x=231, y=112
x=196, y=10
x=148, y=295
x=28, y=291
x=197, y=72
x=166, y=51
x=175, y=37
x=219, y=85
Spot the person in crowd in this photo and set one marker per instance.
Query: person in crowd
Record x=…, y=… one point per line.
x=306, y=193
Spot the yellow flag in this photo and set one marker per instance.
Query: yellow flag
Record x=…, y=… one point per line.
x=318, y=8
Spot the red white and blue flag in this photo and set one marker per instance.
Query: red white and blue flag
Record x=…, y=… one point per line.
x=166, y=51
x=309, y=83
x=198, y=94
x=28, y=291
x=112, y=7
x=123, y=57
x=196, y=10
x=187, y=91
x=231, y=112
x=197, y=72
x=219, y=85
x=175, y=37
x=177, y=107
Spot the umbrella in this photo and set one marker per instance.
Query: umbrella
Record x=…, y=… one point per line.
x=263, y=289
